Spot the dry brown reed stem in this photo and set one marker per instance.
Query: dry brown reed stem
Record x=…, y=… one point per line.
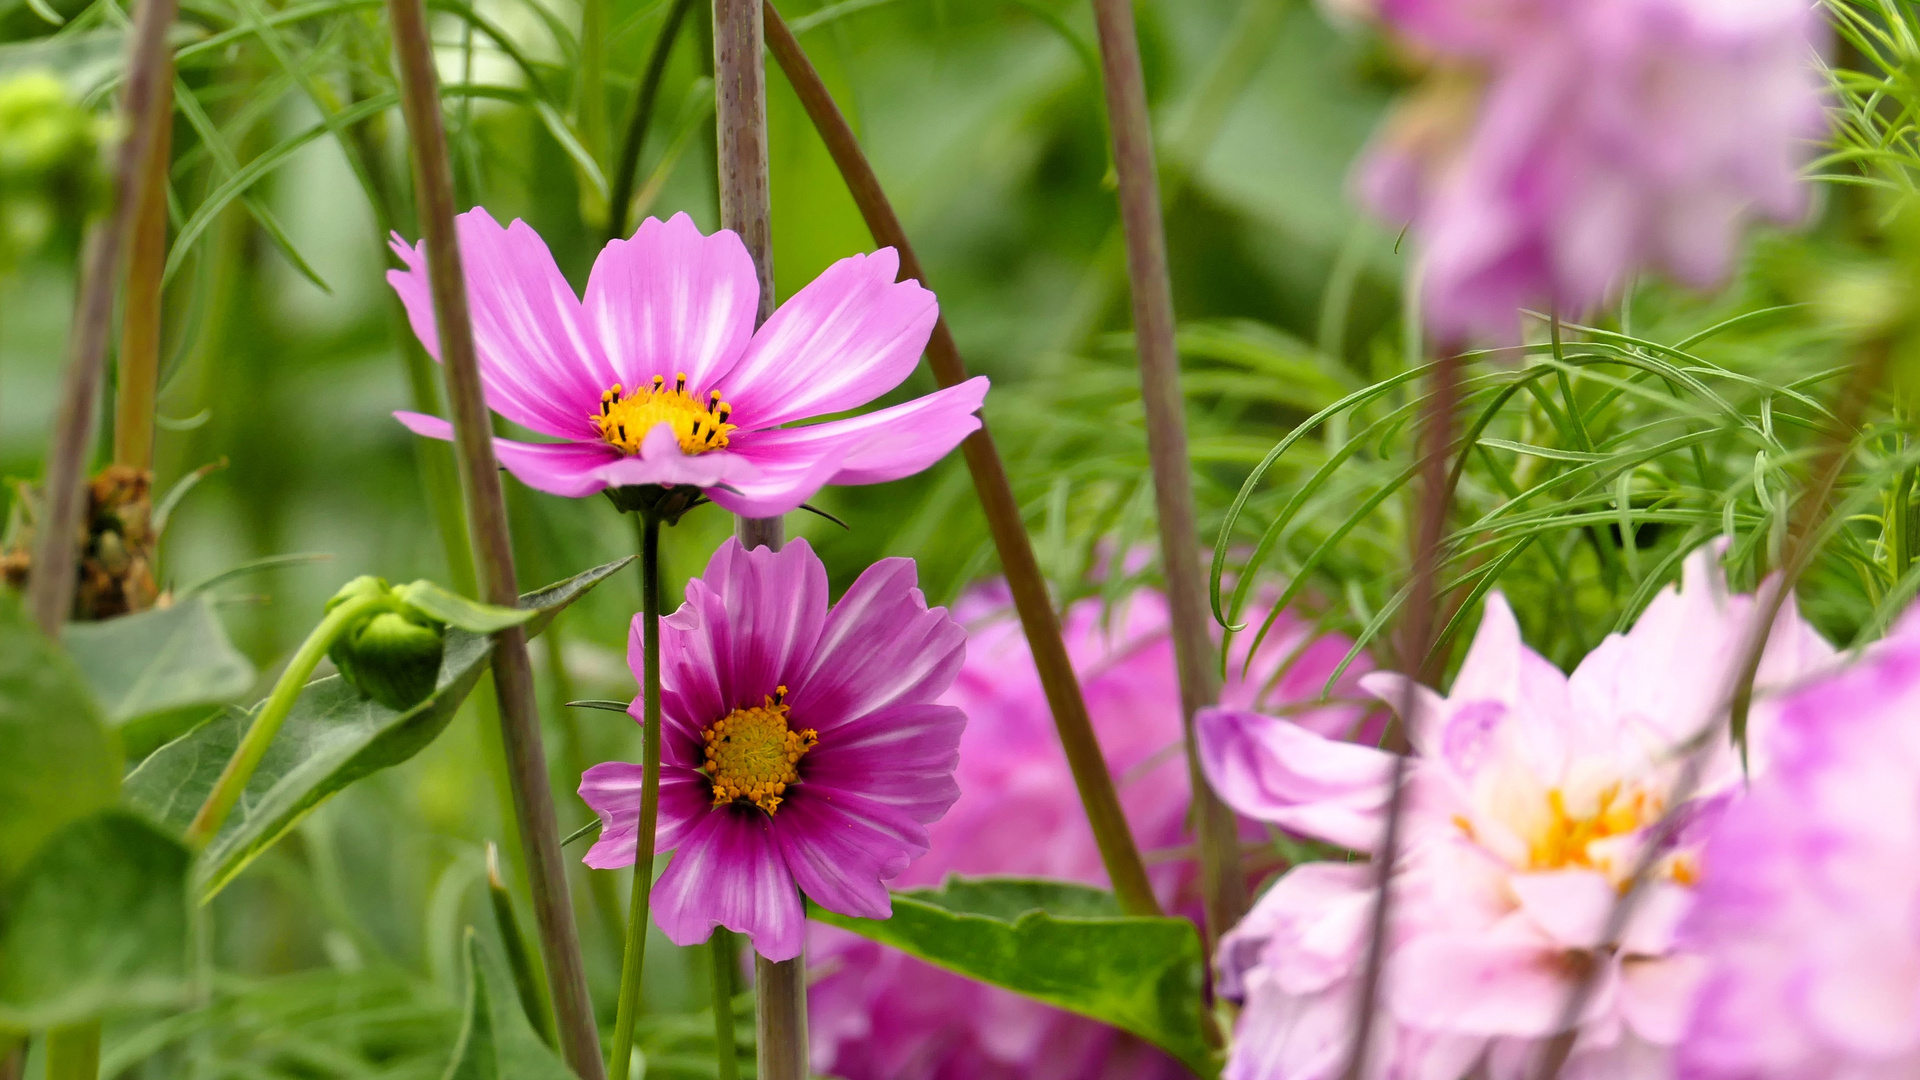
x=1802, y=544
x=138, y=384
x=492, y=543
x=50, y=591
x=1118, y=851
x=1414, y=645
x=1222, y=884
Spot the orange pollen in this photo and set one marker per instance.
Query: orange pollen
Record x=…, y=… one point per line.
x=625, y=419
x=753, y=755
x=1564, y=841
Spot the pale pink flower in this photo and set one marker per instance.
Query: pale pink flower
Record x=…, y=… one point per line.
x=658, y=376
x=877, y=1014
x=1810, y=908
x=1531, y=798
x=1561, y=146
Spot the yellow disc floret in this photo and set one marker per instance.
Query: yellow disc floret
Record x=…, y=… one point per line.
x=625, y=419
x=753, y=755
x=1565, y=839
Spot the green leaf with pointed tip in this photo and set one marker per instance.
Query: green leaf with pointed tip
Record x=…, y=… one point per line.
x=1060, y=943
x=58, y=761
x=334, y=736
x=158, y=673
x=455, y=610
x=96, y=923
x=496, y=1042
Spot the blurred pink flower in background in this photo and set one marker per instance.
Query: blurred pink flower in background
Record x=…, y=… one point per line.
x=1810, y=909
x=1561, y=146
x=877, y=1014
x=1530, y=803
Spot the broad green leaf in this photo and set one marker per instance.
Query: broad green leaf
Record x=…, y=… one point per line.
x=157, y=673
x=496, y=1042
x=96, y=923
x=58, y=761
x=458, y=611
x=333, y=737
x=1060, y=943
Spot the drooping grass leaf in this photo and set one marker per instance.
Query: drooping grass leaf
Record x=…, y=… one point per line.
x=496, y=1041
x=334, y=736
x=1061, y=943
x=156, y=672
x=96, y=923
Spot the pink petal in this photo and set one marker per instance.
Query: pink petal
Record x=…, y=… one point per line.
x=662, y=462
x=729, y=873
x=671, y=300
x=538, y=361
x=841, y=847
x=1657, y=996
x=885, y=444
x=1276, y=771
x=880, y=646
x=1503, y=981
x=781, y=484
x=570, y=469
x=748, y=627
x=901, y=755
x=1569, y=906
x=851, y=335
x=612, y=790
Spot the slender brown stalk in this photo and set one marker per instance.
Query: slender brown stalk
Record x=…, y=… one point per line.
x=138, y=384
x=1415, y=646
x=1223, y=887
x=493, y=546
x=782, y=1032
x=1118, y=852
x=627, y=167
x=1803, y=534
x=50, y=593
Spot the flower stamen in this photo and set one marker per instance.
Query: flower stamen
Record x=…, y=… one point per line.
x=625, y=419
x=753, y=755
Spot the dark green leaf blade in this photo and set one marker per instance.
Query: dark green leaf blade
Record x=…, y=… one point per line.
x=157, y=672
x=97, y=923
x=60, y=761
x=496, y=1041
x=1060, y=943
x=458, y=611
x=333, y=737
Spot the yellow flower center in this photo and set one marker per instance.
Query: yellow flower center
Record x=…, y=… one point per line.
x=752, y=754
x=1564, y=840
x=624, y=419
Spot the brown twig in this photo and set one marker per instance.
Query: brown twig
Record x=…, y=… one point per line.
x=493, y=546
x=1809, y=515
x=1222, y=884
x=627, y=167
x=1415, y=646
x=1118, y=851
x=139, y=373
x=50, y=592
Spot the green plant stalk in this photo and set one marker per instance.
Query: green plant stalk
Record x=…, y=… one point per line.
x=1222, y=884
x=720, y=947
x=50, y=592
x=627, y=167
x=492, y=542
x=634, y=957
x=266, y=723
x=1118, y=851
x=780, y=1017
x=138, y=384
x=73, y=1052
x=525, y=982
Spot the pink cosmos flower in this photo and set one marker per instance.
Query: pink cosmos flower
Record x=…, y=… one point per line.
x=1810, y=909
x=659, y=378
x=802, y=748
x=877, y=1014
x=1530, y=803
x=1561, y=146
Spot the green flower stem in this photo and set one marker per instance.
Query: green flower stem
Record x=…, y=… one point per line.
x=633, y=959
x=780, y=1017
x=724, y=958
x=73, y=1052
x=253, y=746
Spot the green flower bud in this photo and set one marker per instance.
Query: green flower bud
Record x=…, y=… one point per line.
x=391, y=653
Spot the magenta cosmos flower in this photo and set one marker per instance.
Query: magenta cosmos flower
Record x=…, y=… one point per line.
x=1531, y=801
x=1561, y=146
x=1810, y=909
x=802, y=748
x=659, y=378
x=878, y=1014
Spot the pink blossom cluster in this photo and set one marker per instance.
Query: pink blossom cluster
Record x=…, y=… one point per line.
x=1559, y=147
